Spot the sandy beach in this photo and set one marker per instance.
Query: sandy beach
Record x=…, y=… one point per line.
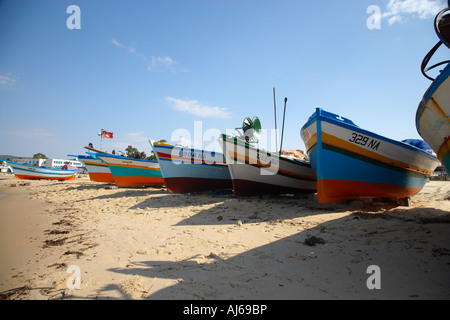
x=86, y=240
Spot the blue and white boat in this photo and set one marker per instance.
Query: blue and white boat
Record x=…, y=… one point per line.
x=128, y=172
x=26, y=171
x=352, y=162
x=191, y=170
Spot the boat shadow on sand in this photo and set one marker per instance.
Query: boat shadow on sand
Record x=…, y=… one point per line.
x=235, y=210
x=412, y=253
x=120, y=192
x=224, y=207
x=328, y=260
x=219, y=208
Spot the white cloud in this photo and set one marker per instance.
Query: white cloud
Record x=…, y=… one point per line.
x=398, y=10
x=154, y=63
x=394, y=19
x=195, y=108
x=117, y=43
x=7, y=80
x=166, y=62
x=29, y=133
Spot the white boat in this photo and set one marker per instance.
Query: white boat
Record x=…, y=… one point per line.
x=25, y=171
x=255, y=171
x=433, y=113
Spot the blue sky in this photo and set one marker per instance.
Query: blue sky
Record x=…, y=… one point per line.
x=152, y=69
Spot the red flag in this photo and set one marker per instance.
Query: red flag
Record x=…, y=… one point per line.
x=107, y=135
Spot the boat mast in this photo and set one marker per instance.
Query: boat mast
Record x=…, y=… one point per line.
x=275, y=113
x=282, y=128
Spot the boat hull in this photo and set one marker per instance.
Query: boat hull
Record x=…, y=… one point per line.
x=433, y=117
x=255, y=172
x=31, y=172
x=352, y=162
x=192, y=170
x=98, y=169
x=129, y=172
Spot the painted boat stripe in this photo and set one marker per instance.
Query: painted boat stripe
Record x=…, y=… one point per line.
x=97, y=164
x=169, y=157
x=239, y=158
x=46, y=172
x=354, y=149
x=239, y=143
x=133, y=167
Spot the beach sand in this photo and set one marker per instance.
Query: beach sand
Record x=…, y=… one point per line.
x=145, y=243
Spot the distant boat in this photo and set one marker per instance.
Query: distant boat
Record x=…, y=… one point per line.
x=98, y=169
x=255, y=171
x=26, y=171
x=433, y=113
x=129, y=172
x=352, y=162
x=191, y=170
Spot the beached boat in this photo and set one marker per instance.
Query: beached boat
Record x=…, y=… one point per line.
x=98, y=169
x=129, y=172
x=255, y=171
x=25, y=171
x=433, y=113
x=352, y=162
x=191, y=170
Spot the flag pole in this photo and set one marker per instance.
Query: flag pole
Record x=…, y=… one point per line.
x=101, y=140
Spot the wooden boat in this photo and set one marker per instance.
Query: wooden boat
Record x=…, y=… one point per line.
x=98, y=169
x=129, y=172
x=433, y=113
x=255, y=171
x=92, y=149
x=25, y=171
x=352, y=162
x=191, y=170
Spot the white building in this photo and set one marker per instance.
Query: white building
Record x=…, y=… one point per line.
x=30, y=161
x=55, y=163
x=51, y=163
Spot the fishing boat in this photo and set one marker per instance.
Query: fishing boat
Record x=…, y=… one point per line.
x=352, y=162
x=433, y=113
x=128, y=172
x=92, y=149
x=191, y=170
x=26, y=171
x=98, y=169
x=256, y=171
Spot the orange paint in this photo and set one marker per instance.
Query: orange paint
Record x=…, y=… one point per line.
x=24, y=176
x=138, y=181
x=101, y=177
x=330, y=191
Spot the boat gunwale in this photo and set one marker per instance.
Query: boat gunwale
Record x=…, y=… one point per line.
x=242, y=143
x=166, y=145
x=106, y=155
x=366, y=132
